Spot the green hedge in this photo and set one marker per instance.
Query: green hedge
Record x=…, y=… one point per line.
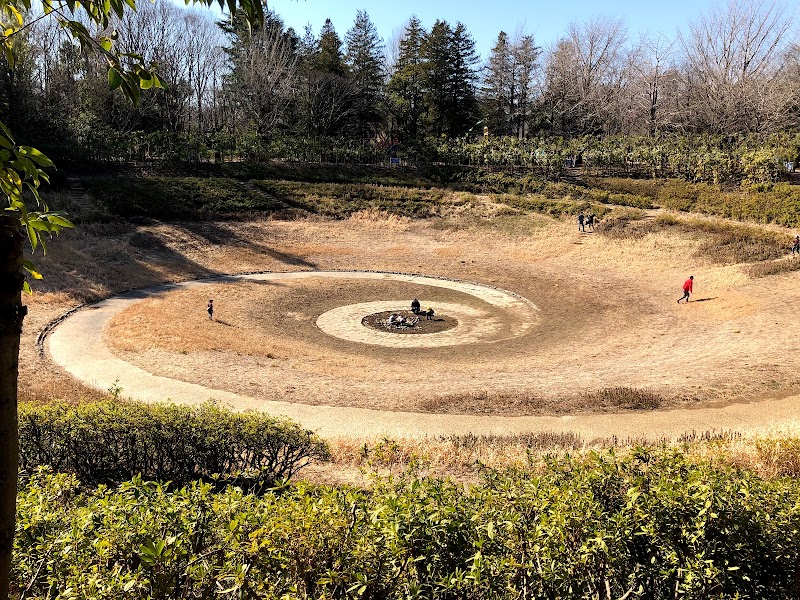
x=110, y=442
x=649, y=525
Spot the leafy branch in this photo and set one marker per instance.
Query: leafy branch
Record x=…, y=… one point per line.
x=21, y=173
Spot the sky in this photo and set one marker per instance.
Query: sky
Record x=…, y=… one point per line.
x=547, y=20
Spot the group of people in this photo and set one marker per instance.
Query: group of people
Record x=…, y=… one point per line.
x=396, y=320
x=416, y=309
x=586, y=221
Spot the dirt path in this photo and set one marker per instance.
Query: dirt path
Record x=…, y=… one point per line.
x=79, y=345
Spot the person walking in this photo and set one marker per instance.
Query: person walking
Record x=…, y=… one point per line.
x=210, y=309
x=687, y=289
x=590, y=221
x=580, y=222
x=796, y=245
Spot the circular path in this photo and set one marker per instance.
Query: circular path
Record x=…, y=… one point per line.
x=78, y=345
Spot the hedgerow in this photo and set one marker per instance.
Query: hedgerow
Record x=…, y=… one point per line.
x=652, y=524
x=110, y=442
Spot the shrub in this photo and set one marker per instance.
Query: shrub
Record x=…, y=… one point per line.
x=540, y=204
x=651, y=524
x=110, y=442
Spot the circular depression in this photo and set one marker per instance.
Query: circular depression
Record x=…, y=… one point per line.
x=78, y=344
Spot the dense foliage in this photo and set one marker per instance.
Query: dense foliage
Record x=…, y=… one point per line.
x=651, y=525
x=110, y=442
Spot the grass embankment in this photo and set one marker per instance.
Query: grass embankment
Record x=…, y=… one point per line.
x=765, y=203
x=291, y=191
x=191, y=198
x=721, y=242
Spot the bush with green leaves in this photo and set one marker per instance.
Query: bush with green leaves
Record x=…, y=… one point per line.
x=650, y=524
x=110, y=442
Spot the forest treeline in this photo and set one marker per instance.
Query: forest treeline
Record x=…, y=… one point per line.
x=718, y=101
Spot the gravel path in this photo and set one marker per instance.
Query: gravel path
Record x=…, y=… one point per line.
x=78, y=345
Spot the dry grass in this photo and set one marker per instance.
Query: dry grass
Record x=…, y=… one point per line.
x=770, y=455
x=773, y=267
x=720, y=242
x=604, y=400
x=380, y=219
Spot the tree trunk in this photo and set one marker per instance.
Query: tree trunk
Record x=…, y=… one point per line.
x=12, y=314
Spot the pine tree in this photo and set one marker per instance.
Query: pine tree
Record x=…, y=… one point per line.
x=407, y=82
x=329, y=57
x=436, y=52
x=497, y=87
x=462, y=111
x=365, y=58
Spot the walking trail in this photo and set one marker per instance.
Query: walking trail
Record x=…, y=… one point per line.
x=79, y=346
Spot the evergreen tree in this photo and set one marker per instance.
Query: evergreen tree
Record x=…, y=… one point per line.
x=365, y=58
x=407, y=82
x=450, y=69
x=436, y=52
x=498, y=85
x=329, y=57
x=462, y=112
x=326, y=94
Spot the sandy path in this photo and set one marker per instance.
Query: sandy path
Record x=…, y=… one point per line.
x=79, y=346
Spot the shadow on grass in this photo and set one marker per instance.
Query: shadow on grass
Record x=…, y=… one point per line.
x=704, y=299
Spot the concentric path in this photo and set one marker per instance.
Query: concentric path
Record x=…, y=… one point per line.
x=78, y=345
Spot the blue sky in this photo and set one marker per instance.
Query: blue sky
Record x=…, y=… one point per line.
x=486, y=18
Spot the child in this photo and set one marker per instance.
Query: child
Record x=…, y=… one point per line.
x=687, y=289
x=210, y=309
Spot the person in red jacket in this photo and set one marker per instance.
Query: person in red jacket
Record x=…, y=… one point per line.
x=687, y=289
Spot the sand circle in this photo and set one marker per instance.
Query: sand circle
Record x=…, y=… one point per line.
x=423, y=326
x=475, y=325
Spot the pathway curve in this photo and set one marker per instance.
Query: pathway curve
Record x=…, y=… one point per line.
x=78, y=345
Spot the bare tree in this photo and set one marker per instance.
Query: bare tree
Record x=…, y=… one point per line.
x=265, y=74
x=734, y=67
x=526, y=75
x=585, y=72
x=653, y=82
x=204, y=63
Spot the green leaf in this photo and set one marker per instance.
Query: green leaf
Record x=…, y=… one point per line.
x=31, y=268
x=114, y=78
x=32, y=236
x=145, y=80
x=59, y=220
